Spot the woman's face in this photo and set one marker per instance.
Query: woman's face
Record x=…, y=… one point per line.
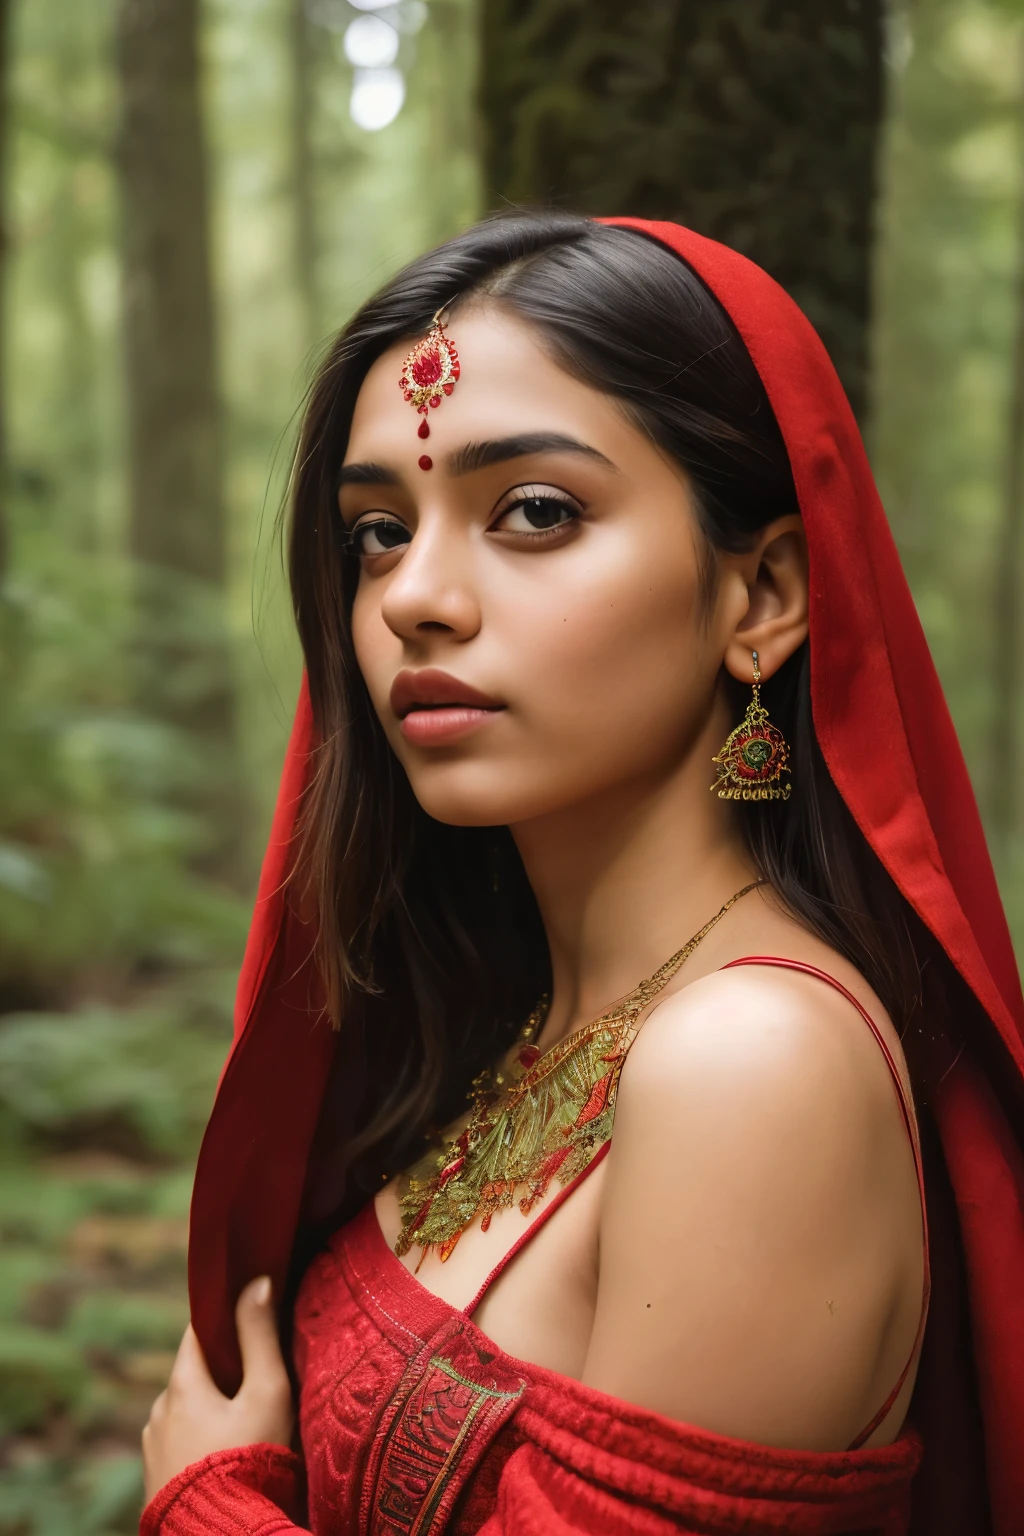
x=528, y=618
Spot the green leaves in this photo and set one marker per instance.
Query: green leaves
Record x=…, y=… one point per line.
x=41, y=1375
x=135, y=1082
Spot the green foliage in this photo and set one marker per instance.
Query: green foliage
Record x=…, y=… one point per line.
x=118, y=1322
x=137, y=1081
x=949, y=245
x=94, y=845
x=41, y=1374
x=52, y=1497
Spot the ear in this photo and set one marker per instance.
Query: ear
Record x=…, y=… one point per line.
x=774, y=575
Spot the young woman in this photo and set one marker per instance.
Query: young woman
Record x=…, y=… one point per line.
x=622, y=793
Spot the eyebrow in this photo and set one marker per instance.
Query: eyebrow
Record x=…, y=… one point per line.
x=500, y=450
x=474, y=456
x=366, y=474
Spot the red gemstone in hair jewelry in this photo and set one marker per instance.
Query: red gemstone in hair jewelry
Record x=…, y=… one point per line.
x=423, y=430
x=426, y=368
x=425, y=461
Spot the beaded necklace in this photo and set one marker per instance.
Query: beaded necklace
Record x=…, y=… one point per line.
x=543, y=1117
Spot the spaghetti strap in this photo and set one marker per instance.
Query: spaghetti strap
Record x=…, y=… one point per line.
x=535, y=1225
x=909, y=1122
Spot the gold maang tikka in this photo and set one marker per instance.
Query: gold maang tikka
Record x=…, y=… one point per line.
x=429, y=373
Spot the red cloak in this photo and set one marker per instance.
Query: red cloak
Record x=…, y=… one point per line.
x=887, y=738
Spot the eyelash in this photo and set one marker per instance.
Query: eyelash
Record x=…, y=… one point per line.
x=352, y=537
x=539, y=493
x=527, y=493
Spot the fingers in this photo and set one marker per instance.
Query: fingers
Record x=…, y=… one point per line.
x=192, y=1418
x=189, y=1371
x=156, y=1414
x=262, y=1363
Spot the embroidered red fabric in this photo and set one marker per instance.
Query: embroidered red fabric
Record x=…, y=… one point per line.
x=890, y=746
x=412, y=1422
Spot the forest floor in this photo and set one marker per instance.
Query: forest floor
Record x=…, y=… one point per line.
x=92, y=1305
x=101, y=1112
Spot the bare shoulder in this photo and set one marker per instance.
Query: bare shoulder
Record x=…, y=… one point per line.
x=771, y=1081
x=760, y=1229
x=785, y=1038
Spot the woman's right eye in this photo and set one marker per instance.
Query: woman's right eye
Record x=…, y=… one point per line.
x=378, y=536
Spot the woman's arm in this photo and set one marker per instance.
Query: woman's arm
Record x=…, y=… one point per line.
x=761, y=1239
x=223, y=1463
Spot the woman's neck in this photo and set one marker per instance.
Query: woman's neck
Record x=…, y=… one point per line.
x=623, y=880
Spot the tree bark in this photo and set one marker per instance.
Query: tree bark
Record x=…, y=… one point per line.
x=76, y=394
x=5, y=152
x=174, y=414
x=752, y=121
x=177, y=525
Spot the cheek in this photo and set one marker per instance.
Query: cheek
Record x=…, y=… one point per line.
x=613, y=655
x=377, y=649
x=597, y=651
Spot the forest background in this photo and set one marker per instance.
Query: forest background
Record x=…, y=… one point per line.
x=194, y=194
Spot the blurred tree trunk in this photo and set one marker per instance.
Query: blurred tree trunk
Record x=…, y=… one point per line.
x=77, y=393
x=5, y=151
x=752, y=121
x=302, y=174
x=1008, y=629
x=174, y=414
x=177, y=525
x=447, y=52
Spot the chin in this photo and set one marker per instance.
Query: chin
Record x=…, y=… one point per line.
x=475, y=795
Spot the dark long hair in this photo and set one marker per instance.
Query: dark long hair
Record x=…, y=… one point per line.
x=429, y=941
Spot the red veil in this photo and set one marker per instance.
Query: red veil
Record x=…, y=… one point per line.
x=886, y=735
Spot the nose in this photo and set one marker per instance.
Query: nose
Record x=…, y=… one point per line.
x=431, y=590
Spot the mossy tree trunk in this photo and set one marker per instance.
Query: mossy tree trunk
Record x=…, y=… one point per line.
x=177, y=526
x=5, y=150
x=752, y=121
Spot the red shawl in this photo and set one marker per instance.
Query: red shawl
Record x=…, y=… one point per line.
x=890, y=746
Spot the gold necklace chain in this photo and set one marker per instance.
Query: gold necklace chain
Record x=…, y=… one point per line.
x=543, y=1118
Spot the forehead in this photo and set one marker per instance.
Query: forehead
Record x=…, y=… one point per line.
x=508, y=382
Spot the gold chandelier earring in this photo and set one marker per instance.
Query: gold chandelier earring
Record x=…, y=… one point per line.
x=755, y=756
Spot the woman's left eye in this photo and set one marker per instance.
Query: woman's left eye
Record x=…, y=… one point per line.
x=538, y=511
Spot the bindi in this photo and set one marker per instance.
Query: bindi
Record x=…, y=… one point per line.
x=430, y=372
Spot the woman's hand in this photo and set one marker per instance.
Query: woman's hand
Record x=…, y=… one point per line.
x=192, y=1419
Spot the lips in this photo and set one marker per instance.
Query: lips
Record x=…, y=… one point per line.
x=436, y=708
x=433, y=689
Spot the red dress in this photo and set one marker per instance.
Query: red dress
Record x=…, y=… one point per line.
x=883, y=727
x=413, y=1421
